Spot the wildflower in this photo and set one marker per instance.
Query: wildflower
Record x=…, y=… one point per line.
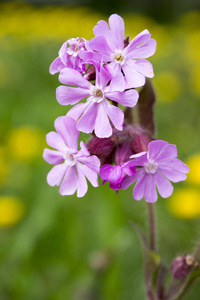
x=122, y=61
x=97, y=112
x=115, y=174
x=71, y=165
x=154, y=169
x=69, y=56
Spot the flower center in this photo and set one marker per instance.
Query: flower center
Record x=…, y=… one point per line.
x=75, y=47
x=98, y=95
x=151, y=167
x=69, y=158
x=119, y=58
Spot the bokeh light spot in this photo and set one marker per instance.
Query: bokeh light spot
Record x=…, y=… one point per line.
x=185, y=203
x=25, y=144
x=194, y=166
x=11, y=210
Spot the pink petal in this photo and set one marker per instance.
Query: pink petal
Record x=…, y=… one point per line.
x=54, y=140
x=90, y=174
x=70, y=95
x=178, y=165
x=134, y=79
x=56, y=66
x=155, y=147
x=144, y=67
x=117, y=27
x=118, y=81
x=56, y=174
x=164, y=186
x=100, y=45
x=116, y=175
x=113, y=68
x=103, y=128
x=137, y=155
x=126, y=98
x=172, y=174
x=91, y=162
x=141, y=38
x=62, y=52
x=82, y=186
x=73, y=77
x=115, y=115
x=69, y=183
x=167, y=153
x=90, y=57
x=83, y=151
x=103, y=29
x=128, y=180
x=87, y=121
x=144, y=51
x=105, y=171
x=102, y=77
x=53, y=157
x=76, y=111
x=139, y=159
x=139, y=188
x=150, y=193
x=66, y=127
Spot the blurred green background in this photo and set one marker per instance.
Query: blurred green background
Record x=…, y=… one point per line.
x=60, y=248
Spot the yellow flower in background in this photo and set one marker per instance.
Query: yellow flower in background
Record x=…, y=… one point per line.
x=27, y=22
x=11, y=210
x=26, y=143
x=185, y=203
x=194, y=166
x=192, y=47
x=167, y=86
x=195, y=78
x=3, y=165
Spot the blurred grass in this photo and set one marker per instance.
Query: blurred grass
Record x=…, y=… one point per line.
x=65, y=247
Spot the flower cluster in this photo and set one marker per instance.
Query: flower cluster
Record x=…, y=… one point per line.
x=105, y=72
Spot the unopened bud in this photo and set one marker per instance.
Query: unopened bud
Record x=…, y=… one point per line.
x=181, y=266
x=102, y=148
x=123, y=153
x=140, y=142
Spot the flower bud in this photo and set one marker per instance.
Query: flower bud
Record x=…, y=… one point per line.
x=181, y=266
x=102, y=148
x=123, y=153
x=140, y=142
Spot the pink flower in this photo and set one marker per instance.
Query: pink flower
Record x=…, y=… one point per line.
x=115, y=174
x=154, y=169
x=97, y=113
x=69, y=56
x=71, y=165
x=129, y=60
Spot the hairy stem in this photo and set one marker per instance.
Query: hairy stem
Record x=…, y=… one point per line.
x=197, y=252
x=152, y=230
x=152, y=247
